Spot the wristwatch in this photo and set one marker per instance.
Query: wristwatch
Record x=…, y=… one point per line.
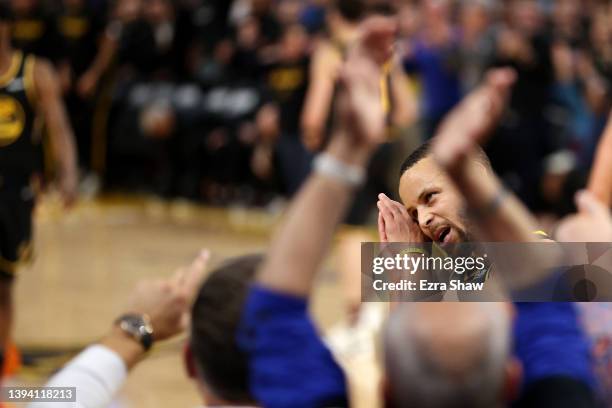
x=137, y=326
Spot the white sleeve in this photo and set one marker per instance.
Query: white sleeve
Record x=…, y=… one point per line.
x=97, y=373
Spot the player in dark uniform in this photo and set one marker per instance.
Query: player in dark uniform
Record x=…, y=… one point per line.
x=28, y=91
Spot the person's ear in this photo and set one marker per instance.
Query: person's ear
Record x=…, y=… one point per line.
x=189, y=362
x=513, y=375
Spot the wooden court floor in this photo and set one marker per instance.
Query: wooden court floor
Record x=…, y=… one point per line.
x=88, y=259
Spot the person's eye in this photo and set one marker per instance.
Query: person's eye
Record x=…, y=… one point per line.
x=429, y=196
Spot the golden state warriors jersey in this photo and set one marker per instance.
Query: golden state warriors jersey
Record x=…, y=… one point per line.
x=20, y=149
x=386, y=97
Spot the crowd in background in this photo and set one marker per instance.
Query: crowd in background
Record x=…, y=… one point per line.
x=228, y=101
x=203, y=99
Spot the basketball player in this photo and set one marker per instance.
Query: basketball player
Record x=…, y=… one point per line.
x=328, y=56
x=438, y=183
x=344, y=17
x=29, y=91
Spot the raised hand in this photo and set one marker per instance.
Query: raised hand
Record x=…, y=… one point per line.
x=592, y=222
x=359, y=108
x=395, y=224
x=167, y=302
x=473, y=119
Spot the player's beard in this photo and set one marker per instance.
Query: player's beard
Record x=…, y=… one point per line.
x=465, y=235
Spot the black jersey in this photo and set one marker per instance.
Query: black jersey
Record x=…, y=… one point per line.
x=20, y=147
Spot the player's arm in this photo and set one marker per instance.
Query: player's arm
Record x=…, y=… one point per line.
x=299, y=246
x=317, y=105
x=500, y=215
x=405, y=109
x=51, y=106
x=109, y=44
x=600, y=183
x=277, y=336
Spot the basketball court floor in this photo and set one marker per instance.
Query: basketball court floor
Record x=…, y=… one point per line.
x=87, y=261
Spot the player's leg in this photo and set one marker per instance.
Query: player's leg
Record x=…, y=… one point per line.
x=15, y=234
x=6, y=315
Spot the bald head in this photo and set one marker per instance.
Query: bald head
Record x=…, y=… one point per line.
x=447, y=354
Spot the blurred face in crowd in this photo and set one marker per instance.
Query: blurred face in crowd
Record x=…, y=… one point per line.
x=294, y=43
x=288, y=12
x=566, y=12
x=474, y=18
x=23, y=6
x=436, y=11
x=408, y=19
x=434, y=203
x=249, y=33
x=526, y=16
x=128, y=10
x=158, y=11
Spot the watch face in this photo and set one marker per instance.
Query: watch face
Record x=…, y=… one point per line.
x=132, y=322
x=139, y=327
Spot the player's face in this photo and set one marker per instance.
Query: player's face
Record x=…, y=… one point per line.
x=434, y=203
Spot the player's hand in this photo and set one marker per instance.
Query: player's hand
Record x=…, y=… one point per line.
x=395, y=224
x=473, y=119
x=312, y=141
x=168, y=301
x=359, y=110
x=592, y=222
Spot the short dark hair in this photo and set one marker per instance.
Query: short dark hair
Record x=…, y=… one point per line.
x=423, y=151
x=350, y=10
x=215, y=317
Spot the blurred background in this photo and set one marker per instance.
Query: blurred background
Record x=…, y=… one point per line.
x=204, y=100
x=196, y=121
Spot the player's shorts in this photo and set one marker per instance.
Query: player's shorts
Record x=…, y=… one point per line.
x=16, y=205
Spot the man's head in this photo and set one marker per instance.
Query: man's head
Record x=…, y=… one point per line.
x=354, y=11
x=351, y=11
x=449, y=355
x=214, y=358
x=432, y=199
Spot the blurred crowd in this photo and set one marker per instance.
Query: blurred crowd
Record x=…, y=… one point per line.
x=228, y=102
x=204, y=99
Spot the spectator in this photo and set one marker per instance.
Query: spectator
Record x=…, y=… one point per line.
x=80, y=30
x=286, y=81
x=35, y=31
x=450, y=355
x=432, y=55
x=477, y=47
x=318, y=116
x=277, y=303
x=523, y=45
x=163, y=309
